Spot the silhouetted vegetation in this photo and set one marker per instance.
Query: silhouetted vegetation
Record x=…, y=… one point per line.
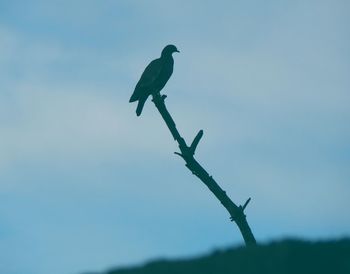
x=285, y=257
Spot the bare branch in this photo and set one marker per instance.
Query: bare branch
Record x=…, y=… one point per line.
x=236, y=212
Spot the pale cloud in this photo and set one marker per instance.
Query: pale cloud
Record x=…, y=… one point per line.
x=44, y=119
x=70, y=124
x=267, y=82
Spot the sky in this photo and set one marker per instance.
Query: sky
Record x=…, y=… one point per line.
x=85, y=185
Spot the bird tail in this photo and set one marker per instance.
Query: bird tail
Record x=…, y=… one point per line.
x=140, y=105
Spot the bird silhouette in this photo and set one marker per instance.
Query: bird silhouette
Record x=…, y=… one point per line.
x=154, y=78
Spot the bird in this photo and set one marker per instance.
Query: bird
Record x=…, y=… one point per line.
x=154, y=77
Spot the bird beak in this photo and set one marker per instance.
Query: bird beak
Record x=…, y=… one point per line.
x=177, y=51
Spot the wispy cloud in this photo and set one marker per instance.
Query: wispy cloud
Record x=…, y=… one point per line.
x=266, y=81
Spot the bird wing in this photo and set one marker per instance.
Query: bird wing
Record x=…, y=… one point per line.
x=148, y=77
x=151, y=73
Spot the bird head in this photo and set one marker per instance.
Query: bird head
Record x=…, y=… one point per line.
x=168, y=50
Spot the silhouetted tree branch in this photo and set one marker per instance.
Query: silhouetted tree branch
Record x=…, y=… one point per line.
x=187, y=152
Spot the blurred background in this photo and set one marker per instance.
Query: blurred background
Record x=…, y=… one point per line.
x=86, y=185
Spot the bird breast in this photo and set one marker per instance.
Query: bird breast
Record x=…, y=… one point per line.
x=166, y=72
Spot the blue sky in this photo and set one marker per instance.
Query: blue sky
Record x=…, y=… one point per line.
x=86, y=185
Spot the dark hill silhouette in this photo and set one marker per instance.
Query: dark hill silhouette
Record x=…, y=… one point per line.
x=285, y=257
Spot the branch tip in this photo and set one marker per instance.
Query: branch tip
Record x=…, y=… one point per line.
x=195, y=141
x=246, y=203
x=177, y=153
